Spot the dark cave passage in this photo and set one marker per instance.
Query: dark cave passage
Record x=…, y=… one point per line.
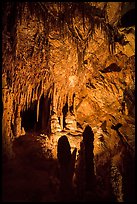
x=65, y=110
x=29, y=116
x=44, y=114
x=130, y=15
x=72, y=107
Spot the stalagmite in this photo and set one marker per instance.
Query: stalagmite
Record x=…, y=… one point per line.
x=32, y=95
x=38, y=110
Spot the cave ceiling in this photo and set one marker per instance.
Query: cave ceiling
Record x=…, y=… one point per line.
x=61, y=49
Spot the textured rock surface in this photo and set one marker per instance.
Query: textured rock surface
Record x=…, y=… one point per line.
x=66, y=65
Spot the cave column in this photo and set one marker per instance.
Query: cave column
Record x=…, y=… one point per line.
x=7, y=134
x=69, y=102
x=18, y=122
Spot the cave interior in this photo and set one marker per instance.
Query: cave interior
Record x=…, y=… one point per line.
x=68, y=101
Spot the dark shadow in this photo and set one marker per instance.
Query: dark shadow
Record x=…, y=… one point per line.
x=130, y=15
x=80, y=173
x=104, y=191
x=79, y=125
x=64, y=151
x=91, y=187
x=29, y=116
x=88, y=139
x=65, y=110
x=116, y=127
x=104, y=126
x=71, y=109
x=44, y=114
x=33, y=175
x=111, y=68
x=67, y=164
x=85, y=176
x=128, y=174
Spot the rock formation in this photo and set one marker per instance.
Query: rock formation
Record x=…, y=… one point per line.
x=66, y=65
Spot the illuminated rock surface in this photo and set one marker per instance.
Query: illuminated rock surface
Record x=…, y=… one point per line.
x=66, y=65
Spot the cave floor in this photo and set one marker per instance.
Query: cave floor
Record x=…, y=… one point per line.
x=33, y=175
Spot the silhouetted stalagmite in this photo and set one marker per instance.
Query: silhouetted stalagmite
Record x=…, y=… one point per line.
x=88, y=138
x=67, y=163
x=80, y=176
x=64, y=153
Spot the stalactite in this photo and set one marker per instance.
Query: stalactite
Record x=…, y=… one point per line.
x=32, y=95
x=30, y=91
x=21, y=98
x=36, y=92
x=23, y=102
x=63, y=101
x=69, y=101
x=18, y=102
x=27, y=100
x=38, y=110
x=58, y=108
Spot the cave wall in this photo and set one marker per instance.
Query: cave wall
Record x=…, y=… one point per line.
x=62, y=56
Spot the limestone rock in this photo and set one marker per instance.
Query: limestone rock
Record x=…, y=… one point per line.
x=74, y=59
x=55, y=126
x=23, y=131
x=71, y=123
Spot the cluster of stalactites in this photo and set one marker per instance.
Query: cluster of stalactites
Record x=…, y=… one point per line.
x=60, y=98
x=29, y=95
x=32, y=94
